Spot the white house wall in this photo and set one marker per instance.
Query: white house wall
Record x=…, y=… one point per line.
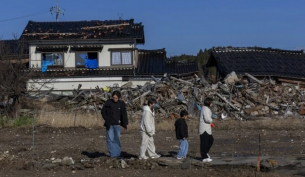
x=104, y=56
x=35, y=58
x=68, y=84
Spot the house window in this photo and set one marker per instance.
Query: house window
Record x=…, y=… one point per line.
x=86, y=60
x=52, y=59
x=121, y=58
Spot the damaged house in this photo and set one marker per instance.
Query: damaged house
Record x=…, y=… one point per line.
x=285, y=66
x=94, y=53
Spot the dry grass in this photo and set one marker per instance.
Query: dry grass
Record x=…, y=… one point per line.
x=90, y=120
x=67, y=119
x=54, y=118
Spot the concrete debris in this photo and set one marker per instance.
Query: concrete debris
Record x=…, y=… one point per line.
x=67, y=161
x=231, y=78
x=124, y=164
x=57, y=161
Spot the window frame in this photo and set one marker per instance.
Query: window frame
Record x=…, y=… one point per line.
x=83, y=66
x=54, y=66
x=121, y=59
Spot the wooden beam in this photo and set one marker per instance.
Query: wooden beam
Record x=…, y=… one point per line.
x=292, y=81
x=253, y=78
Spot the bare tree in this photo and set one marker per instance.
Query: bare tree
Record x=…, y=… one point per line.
x=14, y=74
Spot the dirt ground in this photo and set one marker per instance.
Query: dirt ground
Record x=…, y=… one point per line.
x=87, y=147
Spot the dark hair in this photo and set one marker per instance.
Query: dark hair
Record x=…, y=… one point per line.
x=117, y=93
x=151, y=101
x=183, y=113
x=207, y=102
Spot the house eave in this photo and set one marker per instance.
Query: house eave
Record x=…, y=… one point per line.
x=81, y=41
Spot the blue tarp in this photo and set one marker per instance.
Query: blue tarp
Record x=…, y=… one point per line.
x=198, y=107
x=44, y=66
x=91, y=63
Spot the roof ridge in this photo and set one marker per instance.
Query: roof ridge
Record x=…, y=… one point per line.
x=152, y=50
x=128, y=20
x=259, y=49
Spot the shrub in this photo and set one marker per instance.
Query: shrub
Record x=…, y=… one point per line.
x=23, y=120
x=3, y=121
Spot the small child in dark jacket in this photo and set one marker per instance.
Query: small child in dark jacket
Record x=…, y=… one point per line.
x=182, y=134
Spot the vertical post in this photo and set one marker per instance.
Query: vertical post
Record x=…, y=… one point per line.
x=74, y=122
x=259, y=144
x=33, y=135
x=259, y=152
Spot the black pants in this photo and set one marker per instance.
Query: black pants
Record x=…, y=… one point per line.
x=206, y=142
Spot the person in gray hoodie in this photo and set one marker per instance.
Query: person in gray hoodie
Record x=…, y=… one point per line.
x=147, y=129
x=205, y=130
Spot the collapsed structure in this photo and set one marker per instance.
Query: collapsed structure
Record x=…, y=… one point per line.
x=241, y=97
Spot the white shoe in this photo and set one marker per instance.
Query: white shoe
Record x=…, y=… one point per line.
x=207, y=160
x=143, y=158
x=179, y=158
x=156, y=156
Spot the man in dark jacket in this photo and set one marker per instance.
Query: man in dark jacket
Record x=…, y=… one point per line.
x=182, y=134
x=115, y=115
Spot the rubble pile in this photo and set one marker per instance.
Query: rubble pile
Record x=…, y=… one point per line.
x=242, y=97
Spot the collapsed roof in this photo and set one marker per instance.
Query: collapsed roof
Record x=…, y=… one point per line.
x=258, y=62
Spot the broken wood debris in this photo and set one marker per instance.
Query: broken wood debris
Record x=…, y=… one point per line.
x=242, y=97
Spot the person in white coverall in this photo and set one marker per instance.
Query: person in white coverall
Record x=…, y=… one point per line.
x=147, y=129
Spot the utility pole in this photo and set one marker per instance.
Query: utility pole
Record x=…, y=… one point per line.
x=56, y=10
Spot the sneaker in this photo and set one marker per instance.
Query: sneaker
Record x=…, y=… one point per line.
x=179, y=158
x=207, y=160
x=143, y=158
x=156, y=156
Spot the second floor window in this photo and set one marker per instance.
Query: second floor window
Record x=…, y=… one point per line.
x=86, y=60
x=121, y=58
x=53, y=59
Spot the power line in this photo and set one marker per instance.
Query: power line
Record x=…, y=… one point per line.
x=29, y=15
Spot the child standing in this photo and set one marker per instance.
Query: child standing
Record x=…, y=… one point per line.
x=182, y=134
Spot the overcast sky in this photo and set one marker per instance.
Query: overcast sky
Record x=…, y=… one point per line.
x=179, y=26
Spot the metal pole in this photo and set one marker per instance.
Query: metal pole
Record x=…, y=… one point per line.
x=74, y=122
x=259, y=152
x=33, y=135
x=259, y=144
